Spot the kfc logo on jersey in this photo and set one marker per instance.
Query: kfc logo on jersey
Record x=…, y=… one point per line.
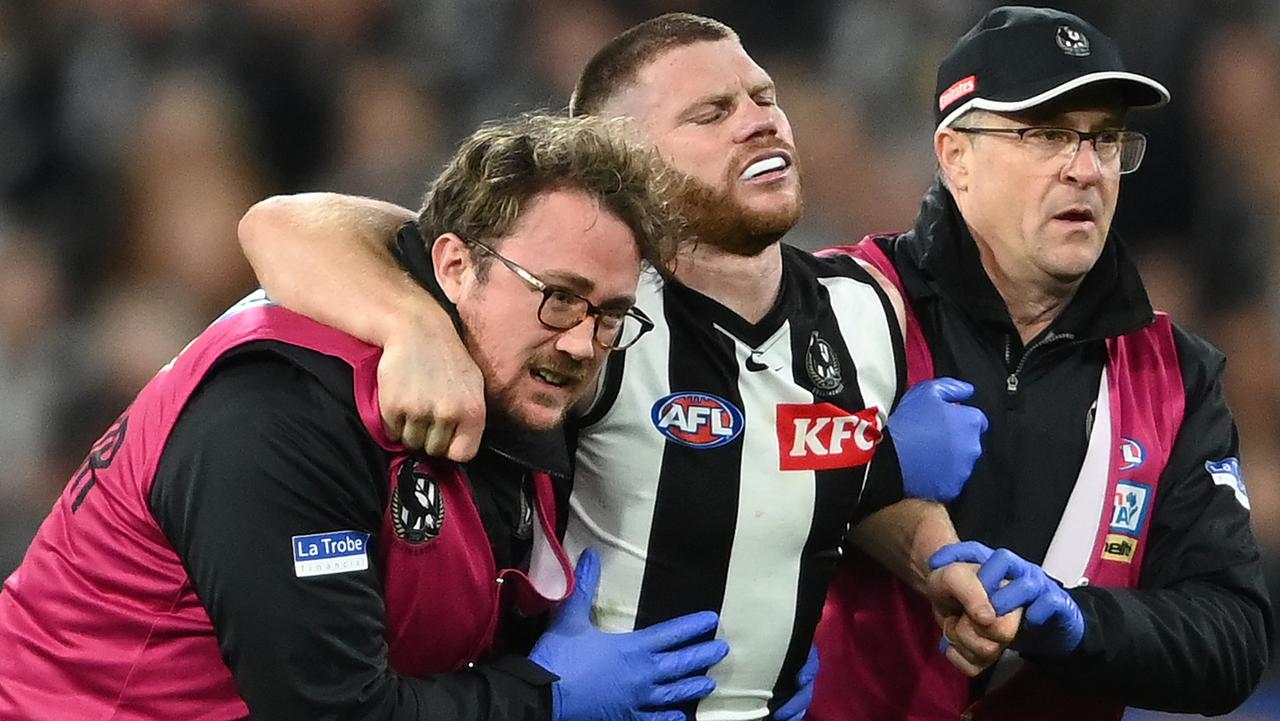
x=697, y=420
x=823, y=436
x=1132, y=454
x=1129, y=508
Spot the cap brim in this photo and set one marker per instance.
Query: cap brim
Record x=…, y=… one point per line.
x=1140, y=91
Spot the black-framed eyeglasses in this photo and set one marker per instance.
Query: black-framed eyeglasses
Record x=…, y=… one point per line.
x=1118, y=151
x=562, y=309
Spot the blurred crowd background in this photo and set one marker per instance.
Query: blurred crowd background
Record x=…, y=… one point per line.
x=134, y=134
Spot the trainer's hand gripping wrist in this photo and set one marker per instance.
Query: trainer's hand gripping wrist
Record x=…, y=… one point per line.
x=641, y=675
x=937, y=438
x=1052, y=624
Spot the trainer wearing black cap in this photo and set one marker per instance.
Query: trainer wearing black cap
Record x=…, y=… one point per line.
x=1017, y=58
x=1110, y=481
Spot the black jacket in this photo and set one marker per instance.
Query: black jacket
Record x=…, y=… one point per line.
x=1194, y=637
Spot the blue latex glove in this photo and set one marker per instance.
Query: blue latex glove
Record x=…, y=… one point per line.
x=794, y=709
x=1052, y=624
x=937, y=438
x=624, y=676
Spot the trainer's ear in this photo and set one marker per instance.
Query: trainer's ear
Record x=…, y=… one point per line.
x=454, y=267
x=954, y=152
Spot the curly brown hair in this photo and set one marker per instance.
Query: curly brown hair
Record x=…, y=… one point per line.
x=484, y=189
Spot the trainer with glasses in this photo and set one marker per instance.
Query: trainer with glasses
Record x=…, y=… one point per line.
x=246, y=541
x=1110, y=486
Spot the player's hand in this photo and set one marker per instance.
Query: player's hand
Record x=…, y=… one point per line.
x=973, y=636
x=636, y=676
x=1053, y=625
x=938, y=439
x=796, y=707
x=431, y=394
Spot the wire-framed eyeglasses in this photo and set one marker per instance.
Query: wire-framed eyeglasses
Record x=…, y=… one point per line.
x=1118, y=151
x=562, y=309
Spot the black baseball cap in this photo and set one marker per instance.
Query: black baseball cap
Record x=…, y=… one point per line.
x=1018, y=57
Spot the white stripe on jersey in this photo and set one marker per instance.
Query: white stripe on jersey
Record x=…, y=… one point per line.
x=617, y=472
x=868, y=339
x=774, y=514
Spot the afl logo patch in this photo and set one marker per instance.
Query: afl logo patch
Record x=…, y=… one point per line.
x=1072, y=41
x=697, y=420
x=417, y=506
x=823, y=367
x=1132, y=454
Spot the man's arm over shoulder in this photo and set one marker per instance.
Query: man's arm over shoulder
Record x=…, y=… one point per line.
x=1194, y=637
x=265, y=452
x=327, y=256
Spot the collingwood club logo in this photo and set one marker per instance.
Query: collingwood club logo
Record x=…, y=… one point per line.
x=823, y=367
x=1072, y=41
x=417, y=506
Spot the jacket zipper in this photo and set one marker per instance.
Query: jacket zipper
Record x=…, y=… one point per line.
x=1011, y=383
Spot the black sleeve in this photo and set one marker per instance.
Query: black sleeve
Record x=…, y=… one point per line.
x=264, y=451
x=884, y=480
x=1195, y=637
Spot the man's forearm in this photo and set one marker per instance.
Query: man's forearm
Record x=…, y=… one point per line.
x=326, y=256
x=903, y=536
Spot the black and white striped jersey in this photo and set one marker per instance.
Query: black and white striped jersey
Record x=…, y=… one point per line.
x=723, y=462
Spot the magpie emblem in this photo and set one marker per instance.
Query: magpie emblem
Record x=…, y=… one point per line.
x=823, y=367
x=417, y=506
x=1072, y=41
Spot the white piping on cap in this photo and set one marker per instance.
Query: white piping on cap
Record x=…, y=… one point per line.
x=1010, y=106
